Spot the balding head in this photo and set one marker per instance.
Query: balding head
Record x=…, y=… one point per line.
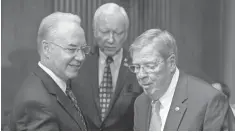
x=62, y=44
x=110, y=28
x=48, y=27
x=111, y=9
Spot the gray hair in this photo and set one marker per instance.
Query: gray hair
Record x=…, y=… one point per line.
x=154, y=37
x=49, y=24
x=110, y=8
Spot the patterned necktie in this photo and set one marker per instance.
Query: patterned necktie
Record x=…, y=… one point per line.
x=73, y=99
x=155, y=123
x=106, y=89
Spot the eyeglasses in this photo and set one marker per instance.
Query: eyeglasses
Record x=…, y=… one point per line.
x=148, y=68
x=84, y=49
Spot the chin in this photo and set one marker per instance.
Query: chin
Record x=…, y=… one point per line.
x=74, y=69
x=110, y=53
x=72, y=75
x=148, y=90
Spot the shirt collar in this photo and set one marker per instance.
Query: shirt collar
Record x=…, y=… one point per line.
x=58, y=81
x=116, y=58
x=166, y=99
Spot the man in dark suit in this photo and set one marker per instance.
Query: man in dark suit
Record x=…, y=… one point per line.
x=229, y=123
x=172, y=100
x=107, y=89
x=45, y=102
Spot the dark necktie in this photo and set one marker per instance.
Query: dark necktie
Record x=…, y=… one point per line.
x=155, y=122
x=73, y=99
x=106, y=89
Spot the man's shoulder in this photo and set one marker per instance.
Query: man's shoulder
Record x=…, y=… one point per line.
x=141, y=99
x=91, y=58
x=195, y=80
x=199, y=87
x=32, y=89
x=90, y=61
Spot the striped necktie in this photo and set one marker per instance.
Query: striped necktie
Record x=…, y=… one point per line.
x=73, y=99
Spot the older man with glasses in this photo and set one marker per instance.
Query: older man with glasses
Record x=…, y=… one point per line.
x=172, y=100
x=46, y=100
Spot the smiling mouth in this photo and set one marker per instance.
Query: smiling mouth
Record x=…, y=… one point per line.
x=146, y=85
x=76, y=65
x=109, y=47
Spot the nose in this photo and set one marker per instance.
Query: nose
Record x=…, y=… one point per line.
x=80, y=55
x=141, y=74
x=111, y=38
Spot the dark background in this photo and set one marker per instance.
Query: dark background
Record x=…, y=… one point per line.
x=204, y=31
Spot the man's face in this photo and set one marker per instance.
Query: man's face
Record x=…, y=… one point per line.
x=110, y=33
x=154, y=82
x=64, y=62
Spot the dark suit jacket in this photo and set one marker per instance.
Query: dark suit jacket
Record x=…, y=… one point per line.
x=229, y=124
x=121, y=111
x=201, y=107
x=42, y=105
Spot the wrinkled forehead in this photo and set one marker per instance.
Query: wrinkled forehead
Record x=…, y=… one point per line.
x=70, y=33
x=111, y=20
x=68, y=27
x=146, y=54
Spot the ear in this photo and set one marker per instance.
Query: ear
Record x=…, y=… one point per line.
x=46, y=49
x=95, y=32
x=172, y=62
x=126, y=35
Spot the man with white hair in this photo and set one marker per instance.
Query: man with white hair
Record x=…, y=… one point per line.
x=45, y=101
x=172, y=100
x=107, y=89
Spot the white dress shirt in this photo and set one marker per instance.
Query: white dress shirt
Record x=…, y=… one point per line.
x=233, y=108
x=114, y=66
x=58, y=81
x=166, y=99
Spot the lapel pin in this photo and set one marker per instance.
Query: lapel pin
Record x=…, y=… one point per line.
x=125, y=62
x=177, y=108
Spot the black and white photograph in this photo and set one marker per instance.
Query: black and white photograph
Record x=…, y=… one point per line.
x=117, y=65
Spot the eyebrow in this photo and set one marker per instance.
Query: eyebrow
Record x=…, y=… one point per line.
x=120, y=30
x=74, y=45
x=103, y=29
x=116, y=29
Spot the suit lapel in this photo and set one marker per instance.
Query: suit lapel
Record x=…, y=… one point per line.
x=94, y=76
x=146, y=115
x=68, y=106
x=61, y=98
x=178, y=105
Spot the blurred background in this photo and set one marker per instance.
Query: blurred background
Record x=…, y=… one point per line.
x=204, y=31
